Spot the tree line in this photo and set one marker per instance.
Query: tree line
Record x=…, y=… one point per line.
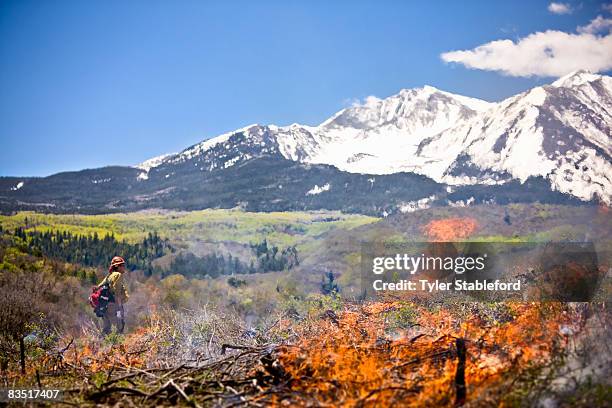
x=91, y=250
x=95, y=251
x=268, y=259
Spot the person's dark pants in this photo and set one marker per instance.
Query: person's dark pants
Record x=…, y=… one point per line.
x=111, y=318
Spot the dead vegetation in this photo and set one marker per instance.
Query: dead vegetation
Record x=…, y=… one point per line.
x=375, y=354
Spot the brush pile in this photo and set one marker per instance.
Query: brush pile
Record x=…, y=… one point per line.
x=374, y=354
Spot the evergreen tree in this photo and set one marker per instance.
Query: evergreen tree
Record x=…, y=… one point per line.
x=329, y=284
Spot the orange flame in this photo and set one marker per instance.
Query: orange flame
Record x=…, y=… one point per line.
x=449, y=229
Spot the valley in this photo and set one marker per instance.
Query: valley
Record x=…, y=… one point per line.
x=182, y=325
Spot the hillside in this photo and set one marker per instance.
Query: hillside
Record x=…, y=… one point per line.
x=264, y=338
x=265, y=184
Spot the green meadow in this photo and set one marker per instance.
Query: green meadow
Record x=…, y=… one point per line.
x=211, y=225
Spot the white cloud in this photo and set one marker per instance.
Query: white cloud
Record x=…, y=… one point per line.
x=350, y=102
x=559, y=8
x=607, y=7
x=368, y=101
x=598, y=25
x=550, y=53
x=371, y=100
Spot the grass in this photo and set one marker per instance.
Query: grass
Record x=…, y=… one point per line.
x=213, y=225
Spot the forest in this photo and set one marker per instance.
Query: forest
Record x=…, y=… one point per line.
x=91, y=250
x=267, y=259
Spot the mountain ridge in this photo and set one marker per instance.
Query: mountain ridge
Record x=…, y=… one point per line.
x=418, y=148
x=432, y=132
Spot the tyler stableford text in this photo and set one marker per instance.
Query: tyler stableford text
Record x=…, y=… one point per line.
x=404, y=263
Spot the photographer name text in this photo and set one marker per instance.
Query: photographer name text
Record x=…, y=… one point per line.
x=437, y=285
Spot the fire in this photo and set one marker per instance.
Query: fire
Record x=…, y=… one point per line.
x=448, y=229
x=354, y=361
x=386, y=353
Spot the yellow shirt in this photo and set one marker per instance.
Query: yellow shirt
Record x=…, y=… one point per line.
x=117, y=286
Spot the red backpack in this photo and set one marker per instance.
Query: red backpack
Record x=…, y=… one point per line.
x=100, y=297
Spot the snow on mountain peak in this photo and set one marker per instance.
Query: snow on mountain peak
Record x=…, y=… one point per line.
x=381, y=136
x=535, y=96
x=153, y=162
x=561, y=132
x=207, y=144
x=576, y=78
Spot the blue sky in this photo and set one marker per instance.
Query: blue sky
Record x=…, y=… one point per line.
x=88, y=84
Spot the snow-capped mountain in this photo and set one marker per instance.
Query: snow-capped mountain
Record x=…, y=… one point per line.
x=379, y=136
x=561, y=132
x=419, y=148
x=382, y=135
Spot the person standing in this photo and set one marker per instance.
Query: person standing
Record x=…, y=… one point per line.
x=115, y=311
